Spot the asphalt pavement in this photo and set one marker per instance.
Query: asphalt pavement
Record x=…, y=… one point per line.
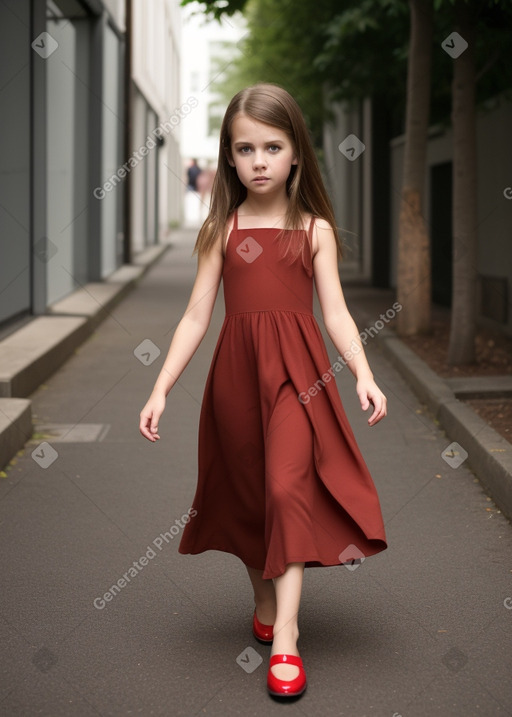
x=100, y=614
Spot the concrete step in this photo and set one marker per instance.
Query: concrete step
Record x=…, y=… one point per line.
x=15, y=426
x=33, y=353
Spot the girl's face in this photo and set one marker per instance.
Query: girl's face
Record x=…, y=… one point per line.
x=262, y=155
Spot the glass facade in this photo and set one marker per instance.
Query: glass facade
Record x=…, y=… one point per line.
x=61, y=74
x=15, y=258
x=67, y=147
x=63, y=169
x=111, y=151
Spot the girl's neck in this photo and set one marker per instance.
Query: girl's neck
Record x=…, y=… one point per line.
x=264, y=206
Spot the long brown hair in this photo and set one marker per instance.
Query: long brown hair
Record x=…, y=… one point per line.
x=272, y=105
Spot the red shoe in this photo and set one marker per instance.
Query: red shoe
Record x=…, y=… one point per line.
x=263, y=633
x=286, y=688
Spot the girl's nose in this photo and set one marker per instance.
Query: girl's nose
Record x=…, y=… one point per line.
x=259, y=160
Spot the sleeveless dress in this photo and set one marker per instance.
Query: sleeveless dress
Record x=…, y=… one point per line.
x=280, y=477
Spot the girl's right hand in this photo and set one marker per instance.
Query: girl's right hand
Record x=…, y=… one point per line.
x=150, y=415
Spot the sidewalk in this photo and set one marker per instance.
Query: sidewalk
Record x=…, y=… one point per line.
x=32, y=352
x=422, y=629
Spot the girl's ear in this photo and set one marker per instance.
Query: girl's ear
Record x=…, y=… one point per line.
x=295, y=160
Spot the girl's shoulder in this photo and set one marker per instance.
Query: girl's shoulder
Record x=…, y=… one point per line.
x=316, y=227
x=318, y=222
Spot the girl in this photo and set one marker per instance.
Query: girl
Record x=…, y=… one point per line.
x=282, y=484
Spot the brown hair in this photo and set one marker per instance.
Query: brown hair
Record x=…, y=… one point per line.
x=272, y=105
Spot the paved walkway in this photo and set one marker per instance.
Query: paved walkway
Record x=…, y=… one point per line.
x=422, y=629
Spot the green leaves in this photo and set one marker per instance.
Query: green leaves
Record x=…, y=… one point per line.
x=218, y=8
x=346, y=50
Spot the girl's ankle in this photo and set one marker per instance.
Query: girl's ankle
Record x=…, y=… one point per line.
x=287, y=632
x=265, y=603
x=265, y=611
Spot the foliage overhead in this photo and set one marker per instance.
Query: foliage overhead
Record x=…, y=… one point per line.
x=347, y=50
x=219, y=8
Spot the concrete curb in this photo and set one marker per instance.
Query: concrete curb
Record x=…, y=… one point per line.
x=489, y=454
x=15, y=426
x=36, y=350
x=33, y=353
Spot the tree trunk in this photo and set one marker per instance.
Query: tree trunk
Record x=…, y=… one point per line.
x=414, y=281
x=465, y=216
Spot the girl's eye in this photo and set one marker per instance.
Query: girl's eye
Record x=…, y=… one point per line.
x=242, y=150
x=274, y=148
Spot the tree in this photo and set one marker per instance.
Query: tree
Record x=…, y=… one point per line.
x=413, y=279
x=465, y=213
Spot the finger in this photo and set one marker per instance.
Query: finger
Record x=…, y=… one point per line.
x=365, y=403
x=145, y=429
x=379, y=412
x=373, y=418
x=151, y=437
x=154, y=426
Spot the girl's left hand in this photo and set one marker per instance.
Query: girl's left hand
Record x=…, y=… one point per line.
x=370, y=393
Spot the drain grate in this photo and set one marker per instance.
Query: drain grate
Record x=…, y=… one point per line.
x=71, y=432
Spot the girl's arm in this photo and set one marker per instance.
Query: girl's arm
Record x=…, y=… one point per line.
x=339, y=323
x=188, y=335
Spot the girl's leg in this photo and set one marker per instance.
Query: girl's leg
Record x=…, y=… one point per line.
x=286, y=632
x=264, y=596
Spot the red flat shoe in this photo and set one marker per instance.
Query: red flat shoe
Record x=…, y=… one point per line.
x=263, y=633
x=286, y=688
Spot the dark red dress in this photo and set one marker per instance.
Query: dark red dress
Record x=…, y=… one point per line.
x=281, y=478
